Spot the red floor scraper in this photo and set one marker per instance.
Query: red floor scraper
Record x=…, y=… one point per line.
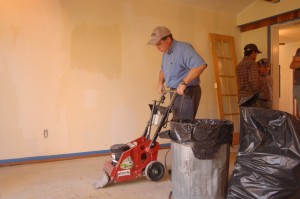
x=139, y=157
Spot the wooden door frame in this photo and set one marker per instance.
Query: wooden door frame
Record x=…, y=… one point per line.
x=217, y=77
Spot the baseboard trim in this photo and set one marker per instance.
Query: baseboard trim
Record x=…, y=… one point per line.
x=60, y=157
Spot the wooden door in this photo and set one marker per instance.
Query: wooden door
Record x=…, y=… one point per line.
x=224, y=60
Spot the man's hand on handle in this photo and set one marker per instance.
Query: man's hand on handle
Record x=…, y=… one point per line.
x=160, y=88
x=180, y=89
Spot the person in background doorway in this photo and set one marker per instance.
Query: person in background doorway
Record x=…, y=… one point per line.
x=295, y=65
x=265, y=84
x=180, y=70
x=248, y=77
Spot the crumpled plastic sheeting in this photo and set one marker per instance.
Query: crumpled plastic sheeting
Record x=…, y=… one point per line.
x=205, y=136
x=268, y=162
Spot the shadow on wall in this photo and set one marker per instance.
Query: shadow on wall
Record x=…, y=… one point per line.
x=95, y=42
x=96, y=49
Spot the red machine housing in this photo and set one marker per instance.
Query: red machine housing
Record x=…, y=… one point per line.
x=140, y=154
x=139, y=157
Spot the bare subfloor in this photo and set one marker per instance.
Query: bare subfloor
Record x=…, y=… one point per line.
x=74, y=179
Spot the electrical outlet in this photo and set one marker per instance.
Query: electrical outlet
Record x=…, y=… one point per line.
x=45, y=133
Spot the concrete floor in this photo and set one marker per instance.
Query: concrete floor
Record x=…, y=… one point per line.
x=75, y=179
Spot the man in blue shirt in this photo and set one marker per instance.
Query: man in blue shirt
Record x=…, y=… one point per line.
x=180, y=70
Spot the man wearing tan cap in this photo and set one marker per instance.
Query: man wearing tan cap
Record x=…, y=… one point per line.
x=265, y=84
x=295, y=65
x=180, y=70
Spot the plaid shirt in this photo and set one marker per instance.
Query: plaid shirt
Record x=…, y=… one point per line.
x=247, y=77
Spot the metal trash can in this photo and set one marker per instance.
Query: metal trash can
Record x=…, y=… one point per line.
x=200, y=158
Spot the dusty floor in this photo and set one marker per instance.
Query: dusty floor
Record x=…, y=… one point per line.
x=73, y=179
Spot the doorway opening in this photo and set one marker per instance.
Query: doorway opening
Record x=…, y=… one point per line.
x=285, y=40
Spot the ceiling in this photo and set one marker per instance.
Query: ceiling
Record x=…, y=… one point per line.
x=290, y=33
x=232, y=7
x=287, y=34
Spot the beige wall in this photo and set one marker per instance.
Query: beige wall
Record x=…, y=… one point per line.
x=263, y=9
x=259, y=37
x=82, y=70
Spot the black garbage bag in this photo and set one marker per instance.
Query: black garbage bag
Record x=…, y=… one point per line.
x=268, y=161
x=251, y=101
x=204, y=135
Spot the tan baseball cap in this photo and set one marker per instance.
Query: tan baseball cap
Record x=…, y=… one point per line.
x=263, y=62
x=157, y=34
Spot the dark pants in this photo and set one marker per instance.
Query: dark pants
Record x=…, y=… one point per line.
x=186, y=106
x=265, y=104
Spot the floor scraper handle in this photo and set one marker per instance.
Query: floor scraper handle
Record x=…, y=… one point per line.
x=165, y=116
